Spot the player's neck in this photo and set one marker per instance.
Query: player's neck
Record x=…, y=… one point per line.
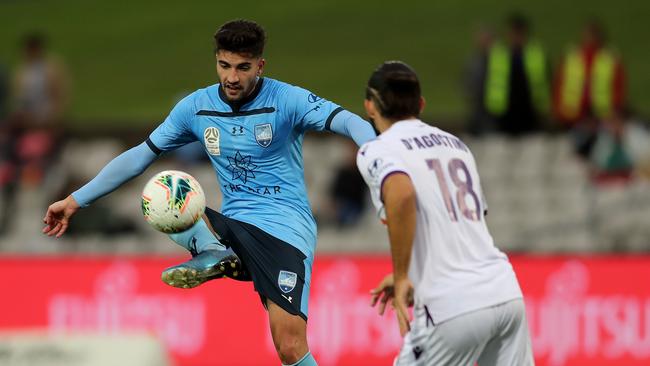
x=384, y=124
x=237, y=104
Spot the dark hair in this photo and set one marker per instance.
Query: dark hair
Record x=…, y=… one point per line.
x=240, y=36
x=395, y=89
x=34, y=40
x=596, y=27
x=518, y=23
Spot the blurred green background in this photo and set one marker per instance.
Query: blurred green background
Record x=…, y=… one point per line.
x=129, y=61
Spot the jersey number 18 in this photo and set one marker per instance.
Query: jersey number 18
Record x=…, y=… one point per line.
x=464, y=188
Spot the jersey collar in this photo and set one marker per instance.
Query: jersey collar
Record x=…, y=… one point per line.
x=236, y=106
x=404, y=122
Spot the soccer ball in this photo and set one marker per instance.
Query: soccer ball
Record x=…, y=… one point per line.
x=172, y=201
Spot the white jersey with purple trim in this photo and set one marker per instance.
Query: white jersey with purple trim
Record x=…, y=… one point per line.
x=455, y=267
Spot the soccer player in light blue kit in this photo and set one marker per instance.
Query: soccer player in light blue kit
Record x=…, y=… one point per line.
x=252, y=129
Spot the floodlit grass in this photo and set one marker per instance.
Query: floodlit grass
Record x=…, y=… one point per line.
x=131, y=60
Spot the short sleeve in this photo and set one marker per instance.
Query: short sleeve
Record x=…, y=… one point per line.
x=376, y=163
x=308, y=111
x=175, y=131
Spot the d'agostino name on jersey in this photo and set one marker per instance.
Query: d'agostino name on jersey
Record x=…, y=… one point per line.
x=433, y=140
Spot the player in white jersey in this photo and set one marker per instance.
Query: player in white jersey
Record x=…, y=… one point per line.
x=424, y=182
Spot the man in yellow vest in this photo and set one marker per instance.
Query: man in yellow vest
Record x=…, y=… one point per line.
x=590, y=81
x=516, y=85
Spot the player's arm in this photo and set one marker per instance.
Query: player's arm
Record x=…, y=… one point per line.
x=349, y=124
x=120, y=170
x=170, y=134
x=398, y=195
x=311, y=112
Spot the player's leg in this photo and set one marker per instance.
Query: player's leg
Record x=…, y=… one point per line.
x=281, y=274
x=289, y=336
x=210, y=258
x=511, y=345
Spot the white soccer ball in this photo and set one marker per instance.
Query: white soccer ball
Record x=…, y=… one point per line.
x=172, y=201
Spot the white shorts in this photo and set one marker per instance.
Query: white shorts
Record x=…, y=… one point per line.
x=496, y=335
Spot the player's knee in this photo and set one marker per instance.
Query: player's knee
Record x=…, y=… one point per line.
x=290, y=349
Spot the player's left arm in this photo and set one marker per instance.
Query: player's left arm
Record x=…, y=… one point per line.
x=311, y=112
x=349, y=124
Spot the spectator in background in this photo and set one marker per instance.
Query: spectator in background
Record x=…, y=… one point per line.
x=348, y=190
x=474, y=74
x=34, y=128
x=5, y=168
x=609, y=159
x=4, y=94
x=589, y=88
x=516, y=85
x=40, y=97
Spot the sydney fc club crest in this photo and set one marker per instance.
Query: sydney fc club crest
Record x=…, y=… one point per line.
x=264, y=134
x=211, y=140
x=287, y=281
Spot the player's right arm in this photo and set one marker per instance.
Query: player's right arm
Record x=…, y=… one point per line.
x=123, y=168
x=171, y=134
x=393, y=195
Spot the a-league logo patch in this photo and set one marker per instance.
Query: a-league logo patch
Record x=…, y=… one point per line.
x=375, y=167
x=287, y=281
x=264, y=134
x=211, y=140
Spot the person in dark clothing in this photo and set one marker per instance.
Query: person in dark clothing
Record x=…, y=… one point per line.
x=348, y=191
x=517, y=86
x=479, y=120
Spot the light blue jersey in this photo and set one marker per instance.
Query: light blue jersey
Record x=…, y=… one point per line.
x=256, y=149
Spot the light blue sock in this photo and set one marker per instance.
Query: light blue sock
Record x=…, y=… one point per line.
x=306, y=360
x=197, y=238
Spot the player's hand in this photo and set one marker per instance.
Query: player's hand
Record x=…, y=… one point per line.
x=58, y=216
x=383, y=293
x=403, y=297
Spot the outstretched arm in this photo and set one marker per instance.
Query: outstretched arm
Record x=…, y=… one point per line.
x=349, y=124
x=312, y=112
x=120, y=170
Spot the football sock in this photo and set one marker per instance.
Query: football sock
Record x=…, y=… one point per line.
x=306, y=360
x=197, y=239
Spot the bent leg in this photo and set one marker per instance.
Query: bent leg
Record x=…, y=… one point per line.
x=210, y=258
x=198, y=238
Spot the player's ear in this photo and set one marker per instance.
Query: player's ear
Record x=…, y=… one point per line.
x=260, y=66
x=370, y=108
x=423, y=102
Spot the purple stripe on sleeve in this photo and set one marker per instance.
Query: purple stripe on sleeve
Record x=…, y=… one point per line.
x=381, y=186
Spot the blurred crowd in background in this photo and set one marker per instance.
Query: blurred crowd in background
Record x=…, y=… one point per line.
x=572, y=112
x=514, y=88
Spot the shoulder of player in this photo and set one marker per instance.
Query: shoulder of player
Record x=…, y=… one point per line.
x=285, y=89
x=275, y=86
x=203, y=98
x=372, y=148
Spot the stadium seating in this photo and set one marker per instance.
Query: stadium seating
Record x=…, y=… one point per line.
x=539, y=195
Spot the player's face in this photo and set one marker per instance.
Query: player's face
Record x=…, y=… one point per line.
x=238, y=73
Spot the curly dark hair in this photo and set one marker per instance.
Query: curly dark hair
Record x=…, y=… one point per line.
x=241, y=36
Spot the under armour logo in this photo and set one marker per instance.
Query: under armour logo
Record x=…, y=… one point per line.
x=417, y=351
x=237, y=130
